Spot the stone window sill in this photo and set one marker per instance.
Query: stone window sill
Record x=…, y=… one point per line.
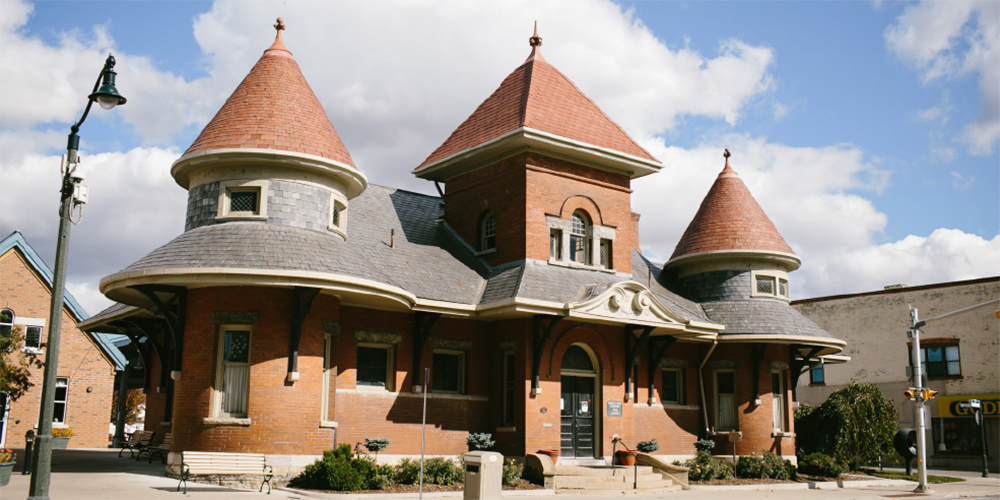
x=327, y=424
x=241, y=422
x=782, y=434
x=223, y=218
x=486, y=252
x=576, y=265
x=31, y=350
x=507, y=429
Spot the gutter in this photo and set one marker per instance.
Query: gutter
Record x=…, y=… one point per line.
x=701, y=383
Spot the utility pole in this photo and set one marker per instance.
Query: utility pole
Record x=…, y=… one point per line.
x=919, y=396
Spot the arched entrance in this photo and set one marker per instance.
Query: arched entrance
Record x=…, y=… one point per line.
x=579, y=404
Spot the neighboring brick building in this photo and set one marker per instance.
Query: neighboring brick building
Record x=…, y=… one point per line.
x=301, y=305
x=87, y=362
x=960, y=356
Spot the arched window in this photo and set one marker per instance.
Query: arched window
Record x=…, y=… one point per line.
x=577, y=359
x=579, y=241
x=6, y=323
x=488, y=232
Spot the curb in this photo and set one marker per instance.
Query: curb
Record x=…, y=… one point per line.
x=383, y=496
x=819, y=485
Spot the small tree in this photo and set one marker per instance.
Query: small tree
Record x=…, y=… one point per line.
x=15, y=366
x=135, y=402
x=375, y=445
x=853, y=425
x=648, y=446
x=480, y=441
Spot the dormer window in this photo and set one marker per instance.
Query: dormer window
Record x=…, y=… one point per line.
x=338, y=216
x=579, y=243
x=245, y=200
x=488, y=232
x=770, y=284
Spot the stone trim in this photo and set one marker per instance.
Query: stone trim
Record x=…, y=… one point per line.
x=673, y=363
x=330, y=326
x=234, y=318
x=451, y=344
x=778, y=365
x=370, y=337
x=242, y=422
x=724, y=364
x=507, y=345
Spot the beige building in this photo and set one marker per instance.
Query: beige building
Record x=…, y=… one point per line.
x=961, y=355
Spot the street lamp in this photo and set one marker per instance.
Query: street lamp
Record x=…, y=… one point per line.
x=107, y=97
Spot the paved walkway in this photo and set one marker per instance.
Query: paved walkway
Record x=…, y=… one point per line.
x=98, y=474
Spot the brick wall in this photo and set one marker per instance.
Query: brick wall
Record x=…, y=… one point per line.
x=87, y=413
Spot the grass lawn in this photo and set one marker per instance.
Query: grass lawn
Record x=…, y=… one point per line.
x=902, y=475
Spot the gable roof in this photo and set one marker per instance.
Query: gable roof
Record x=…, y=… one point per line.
x=729, y=219
x=537, y=96
x=16, y=240
x=273, y=108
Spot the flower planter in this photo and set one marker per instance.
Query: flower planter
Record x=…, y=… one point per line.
x=552, y=453
x=625, y=457
x=60, y=443
x=5, y=469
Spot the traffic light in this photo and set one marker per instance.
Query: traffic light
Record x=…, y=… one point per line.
x=909, y=394
x=929, y=394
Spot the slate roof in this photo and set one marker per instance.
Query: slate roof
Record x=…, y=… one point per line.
x=761, y=316
x=274, y=108
x=729, y=219
x=536, y=95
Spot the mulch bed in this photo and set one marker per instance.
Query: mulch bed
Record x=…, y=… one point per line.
x=803, y=478
x=429, y=488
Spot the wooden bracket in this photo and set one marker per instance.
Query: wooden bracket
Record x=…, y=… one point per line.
x=657, y=350
x=422, y=323
x=303, y=298
x=633, y=343
x=541, y=333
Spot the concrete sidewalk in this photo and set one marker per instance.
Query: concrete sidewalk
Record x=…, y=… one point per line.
x=98, y=474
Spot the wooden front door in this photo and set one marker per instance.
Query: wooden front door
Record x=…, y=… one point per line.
x=577, y=426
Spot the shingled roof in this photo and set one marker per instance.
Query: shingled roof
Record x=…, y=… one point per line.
x=537, y=96
x=729, y=219
x=274, y=108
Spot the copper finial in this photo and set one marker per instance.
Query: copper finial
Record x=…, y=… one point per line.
x=535, y=40
x=280, y=25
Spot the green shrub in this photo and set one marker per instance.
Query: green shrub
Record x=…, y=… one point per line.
x=764, y=466
x=704, y=445
x=340, y=470
x=790, y=470
x=648, y=446
x=512, y=472
x=818, y=464
x=705, y=468
x=437, y=470
x=479, y=441
x=853, y=426
x=375, y=445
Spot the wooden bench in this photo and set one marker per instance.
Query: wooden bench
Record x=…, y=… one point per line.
x=161, y=449
x=199, y=463
x=138, y=442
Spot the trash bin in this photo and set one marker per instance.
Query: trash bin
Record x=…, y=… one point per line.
x=483, y=474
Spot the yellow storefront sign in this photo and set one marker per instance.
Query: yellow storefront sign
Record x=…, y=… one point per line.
x=950, y=406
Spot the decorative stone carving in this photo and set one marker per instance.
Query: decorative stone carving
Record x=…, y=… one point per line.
x=369, y=337
x=724, y=364
x=673, y=363
x=778, y=365
x=451, y=344
x=624, y=302
x=330, y=326
x=507, y=345
x=234, y=317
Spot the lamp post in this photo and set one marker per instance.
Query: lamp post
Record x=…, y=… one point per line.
x=107, y=97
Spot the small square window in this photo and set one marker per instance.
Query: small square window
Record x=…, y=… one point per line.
x=33, y=337
x=817, y=375
x=783, y=287
x=243, y=202
x=672, y=387
x=448, y=372
x=765, y=285
x=373, y=366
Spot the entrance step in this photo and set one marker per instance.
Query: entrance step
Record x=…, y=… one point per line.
x=607, y=479
x=639, y=491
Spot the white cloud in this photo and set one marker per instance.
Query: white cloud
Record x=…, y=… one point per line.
x=89, y=297
x=950, y=40
x=962, y=182
x=943, y=154
x=930, y=114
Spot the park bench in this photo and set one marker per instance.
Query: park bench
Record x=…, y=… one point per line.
x=161, y=449
x=200, y=463
x=138, y=442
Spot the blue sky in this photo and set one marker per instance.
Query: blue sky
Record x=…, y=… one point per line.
x=869, y=132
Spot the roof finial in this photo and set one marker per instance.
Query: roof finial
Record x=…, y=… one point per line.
x=727, y=171
x=278, y=44
x=535, y=40
x=536, y=46
x=726, y=155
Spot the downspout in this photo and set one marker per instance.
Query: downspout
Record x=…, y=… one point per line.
x=701, y=383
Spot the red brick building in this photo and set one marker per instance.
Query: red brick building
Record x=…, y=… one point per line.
x=87, y=361
x=301, y=306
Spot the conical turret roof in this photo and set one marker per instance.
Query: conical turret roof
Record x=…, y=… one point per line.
x=274, y=108
x=730, y=219
x=537, y=96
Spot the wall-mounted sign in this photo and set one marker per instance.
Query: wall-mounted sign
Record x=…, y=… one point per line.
x=614, y=408
x=951, y=406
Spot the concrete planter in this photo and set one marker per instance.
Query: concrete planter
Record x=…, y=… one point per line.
x=625, y=457
x=60, y=443
x=5, y=470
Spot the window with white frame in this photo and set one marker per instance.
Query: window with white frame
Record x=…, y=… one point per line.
x=60, y=400
x=33, y=337
x=338, y=215
x=673, y=386
x=725, y=400
x=488, y=232
x=242, y=200
x=6, y=322
x=579, y=239
x=233, y=376
x=509, y=386
x=778, y=400
x=940, y=360
x=770, y=285
x=374, y=366
x=448, y=372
